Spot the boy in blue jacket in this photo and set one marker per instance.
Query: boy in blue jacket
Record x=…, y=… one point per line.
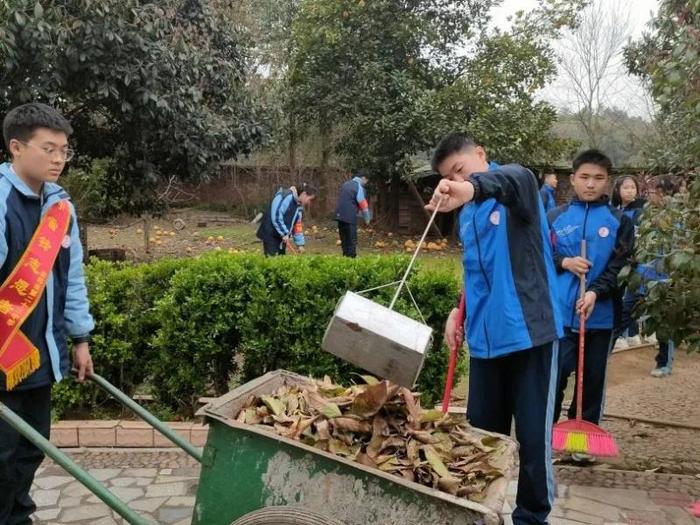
x=36, y=137
x=512, y=319
x=351, y=200
x=282, y=221
x=609, y=236
x=548, y=191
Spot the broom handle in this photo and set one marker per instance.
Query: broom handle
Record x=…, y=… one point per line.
x=454, y=352
x=581, y=343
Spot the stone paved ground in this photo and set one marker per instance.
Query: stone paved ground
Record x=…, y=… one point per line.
x=633, y=392
x=161, y=484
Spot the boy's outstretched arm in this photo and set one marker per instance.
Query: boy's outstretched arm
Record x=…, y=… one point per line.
x=513, y=186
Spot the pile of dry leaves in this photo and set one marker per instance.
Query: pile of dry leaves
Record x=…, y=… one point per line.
x=382, y=425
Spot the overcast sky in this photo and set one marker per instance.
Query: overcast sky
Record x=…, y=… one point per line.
x=631, y=97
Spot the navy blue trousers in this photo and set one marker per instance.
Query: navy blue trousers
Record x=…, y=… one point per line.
x=19, y=458
x=595, y=364
x=520, y=386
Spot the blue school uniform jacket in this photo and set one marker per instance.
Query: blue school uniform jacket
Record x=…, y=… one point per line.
x=508, y=268
x=352, y=200
x=283, y=218
x=548, y=197
x=63, y=310
x=609, y=235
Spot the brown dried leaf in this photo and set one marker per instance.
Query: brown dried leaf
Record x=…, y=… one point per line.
x=412, y=451
x=293, y=403
x=348, y=424
x=380, y=430
x=323, y=429
x=449, y=485
x=423, y=436
x=389, y=465
x=366, y=460
x=412, y=407
x=462, y=451
x=336, y=446
x=408, y=474
x=371, y=400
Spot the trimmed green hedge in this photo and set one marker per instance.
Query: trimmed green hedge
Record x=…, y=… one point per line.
x=187, y=327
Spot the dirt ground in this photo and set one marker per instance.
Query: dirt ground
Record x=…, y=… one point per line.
x=215, y=231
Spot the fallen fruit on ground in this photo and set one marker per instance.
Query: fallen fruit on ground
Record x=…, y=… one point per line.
x=382, y=425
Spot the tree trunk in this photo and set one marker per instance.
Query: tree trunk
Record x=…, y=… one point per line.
x=394, y=198
x=292, y=145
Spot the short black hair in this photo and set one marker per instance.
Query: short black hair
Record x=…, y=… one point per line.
x=616, y=198
x=22, y=121
x=449, y=144
x=665, y=184
x=359, y=172
x=593, y=156
x=306, y=188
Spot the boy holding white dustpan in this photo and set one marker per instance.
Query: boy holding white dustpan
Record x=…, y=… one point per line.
x=512, y=318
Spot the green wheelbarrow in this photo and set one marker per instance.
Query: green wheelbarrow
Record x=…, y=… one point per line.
x=250, y=476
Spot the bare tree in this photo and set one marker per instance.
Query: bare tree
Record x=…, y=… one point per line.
x=591, y=62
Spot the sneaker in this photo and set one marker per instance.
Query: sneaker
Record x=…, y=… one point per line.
x=661, y=371
x=582, y=458
x=620, y=344
x=634, y=341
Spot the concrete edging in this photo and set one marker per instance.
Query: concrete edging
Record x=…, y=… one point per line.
x=121, y=433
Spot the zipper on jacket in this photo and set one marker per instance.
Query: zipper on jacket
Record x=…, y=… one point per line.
x=578, y=286
x=486, y=280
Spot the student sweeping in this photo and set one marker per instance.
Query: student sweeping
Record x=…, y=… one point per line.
x=351, y=201
x=281, y=224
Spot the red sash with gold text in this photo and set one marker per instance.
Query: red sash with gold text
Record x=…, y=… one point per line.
x=21, y=292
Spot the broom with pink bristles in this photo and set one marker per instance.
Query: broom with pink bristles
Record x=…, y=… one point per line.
x=576, y=435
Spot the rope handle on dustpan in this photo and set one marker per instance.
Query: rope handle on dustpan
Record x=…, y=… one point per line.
x=402, y=283
x=581, y=341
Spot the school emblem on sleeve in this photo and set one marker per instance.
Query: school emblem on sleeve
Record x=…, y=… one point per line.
x=603, y=232
x=66, y=242
x=495, y=218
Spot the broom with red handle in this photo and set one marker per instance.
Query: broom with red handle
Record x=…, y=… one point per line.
x=576, y=435
x=454, y=353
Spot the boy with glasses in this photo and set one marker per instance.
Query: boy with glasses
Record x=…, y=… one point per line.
x=43, y=298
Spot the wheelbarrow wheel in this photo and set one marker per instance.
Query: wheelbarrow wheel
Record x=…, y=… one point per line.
x=285, y=516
